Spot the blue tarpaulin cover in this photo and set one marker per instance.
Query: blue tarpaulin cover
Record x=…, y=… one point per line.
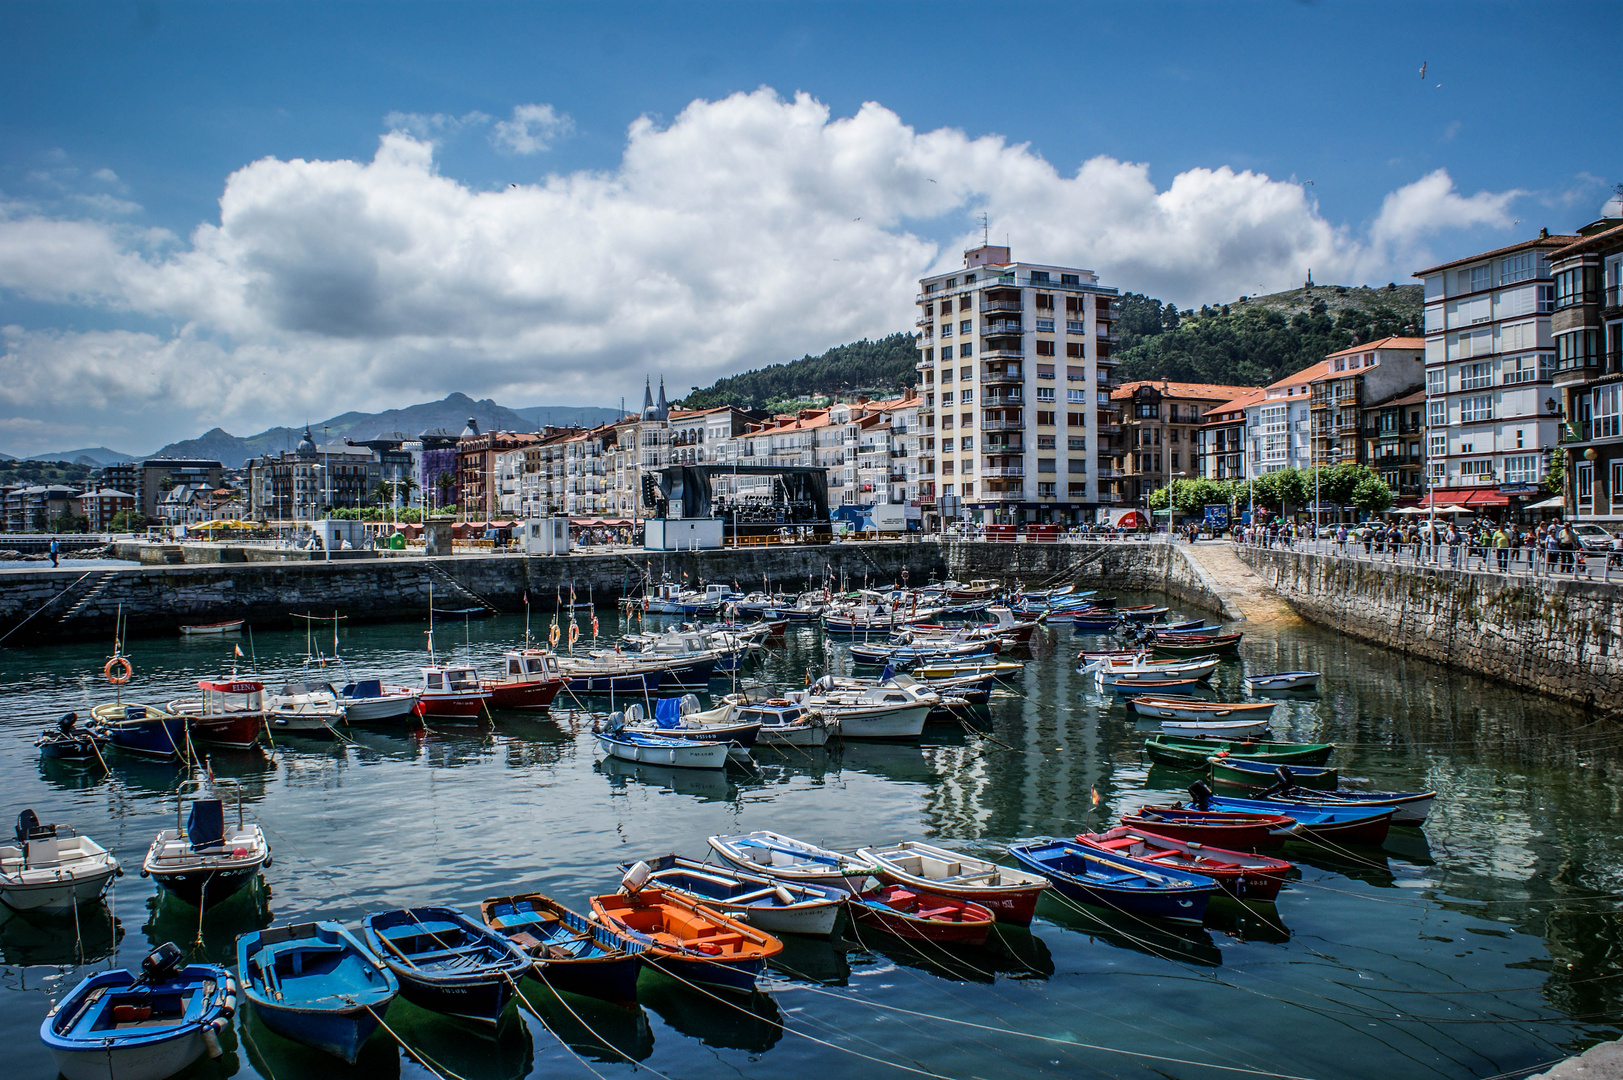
x=668, y=712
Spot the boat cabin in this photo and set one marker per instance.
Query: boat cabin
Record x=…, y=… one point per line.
x=771, y=714
x=450, y=680
x=531, y=665
x=230, y=696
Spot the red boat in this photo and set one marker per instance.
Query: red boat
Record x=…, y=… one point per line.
x=531, y=681
x=1235, y=831
x=1015, y=631
x=1010, y=894
x=230, y=712
x=452, y=690
x=1246, y=877
x=909, y=913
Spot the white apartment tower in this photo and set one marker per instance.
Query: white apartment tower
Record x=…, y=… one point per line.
x=1015, y=369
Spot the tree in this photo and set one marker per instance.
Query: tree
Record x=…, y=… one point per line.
x=70, y=523
x=1372, y=496
x=127, y=521
x=1555, y=479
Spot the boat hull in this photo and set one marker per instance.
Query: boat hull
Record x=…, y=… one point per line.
x=87, y=1048
x=154, y=1061
x=903, y=723
x=458, y=705
x=606, y=969
x=899, y=924
x=1187, y=753
x=708, y=756
x=1181, y=903
x=797, y=734
x=616, y=683
x=1217, y=728
x=339, y=1032
x=375, y=710
x=57, y=897
x=233, y=732
x=525, y=695
x=1242, y=876
x=1261, y=774
x=161, y=737
x=1256, y=831
x=206, y=887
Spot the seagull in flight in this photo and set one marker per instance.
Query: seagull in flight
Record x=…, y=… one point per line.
x=1422, y=70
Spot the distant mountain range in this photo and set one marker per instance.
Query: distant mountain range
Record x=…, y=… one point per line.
x=451, y=414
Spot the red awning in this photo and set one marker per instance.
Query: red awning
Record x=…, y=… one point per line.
x=1470, y=498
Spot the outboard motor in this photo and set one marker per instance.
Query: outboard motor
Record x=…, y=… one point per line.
x=635, y=878
x=1287, y=779
x=162, y=963
x=27, y=822
x=68, y=723
x=1200, y=795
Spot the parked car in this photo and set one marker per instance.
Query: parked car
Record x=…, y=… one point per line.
x=1592, y=537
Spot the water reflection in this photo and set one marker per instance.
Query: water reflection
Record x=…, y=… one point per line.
x=727, y=1020
x=1008, y=951
x=822, y=960
x=1162, y=940
x=592, y=1028
x=271, y=1055
x=471, y=1051
x=86, y=937
x=710, y=785
x=1249, y=920
x=219, y=926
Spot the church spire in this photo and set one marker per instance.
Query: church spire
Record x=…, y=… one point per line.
x=664, y=409
x=647, y=394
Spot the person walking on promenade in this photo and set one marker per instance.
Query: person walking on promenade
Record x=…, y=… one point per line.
x=56, y=550
x=1454, y=539
x=1552, y=549
x=1501, y=545
x=1569, y=544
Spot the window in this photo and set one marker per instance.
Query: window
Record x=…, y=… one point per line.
x=966, y=420
x=1077, y=466
x=1436, y=414
x=1076, y=419
x=967, y=397
x=1605, y=414
x=1437, y=446
x=1073, y=350
x=1045, y=371
x=1580, y=285
x=1075, y=374
x=1041, y=276
x=1437, y=382
x=929, y=290
x=946, y=376
x=1046, y=464
x=1045, y=442
x=1070, y=279
x=1515, y=268
x=1477, y=469
x=946, y=397
x=966, y=326
x=966, y=443
x=966, y=349
x=1174, y=459
x=946, y=331
x=1617, y=487
x=968, y=278
x=1527, y=369
x=1481, y=277
x=963, y=303
x=948, y=467
x=1546, y=299
x=1045, y=300
x=969, y=489
x=1476, y=408
x=1045, y=418
x=1045, y=348
x=1077, y=491
x=1074, y=326
x=967, y=371
x=1078, y=396
x=1077, y=442
x=1584, y=483
x=1522, y=469
x=1045, y=490
x=947, y=489
x=1476, y=376
x=1045, y=393
x=946, y=422
x=1578, y=349
x=1045, y=326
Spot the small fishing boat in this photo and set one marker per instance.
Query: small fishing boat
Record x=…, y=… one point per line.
x=685, y=939
x=230, y=626
x=530, y=680
x=784, y=857
x=1219, y=729
x=1009, y=894
x=1244, y=772
x=907, y=655
x=612, y=675
x=452, y=690
x=1283, y=680
x=570, y=952
x=305, y=708
x=1166, y=684
x=1106, y=879
x=1141, y=612
x=671, y=721
x=1191, y=753
x=1195, y=644
x=1338, y=824
x=682, y=753
x=51, y=868
x=68, y=741
x=1108, y=673
x=316, y=984
x=925, y=916
x=142, y=729
x=229, y=712
x=1192, y=626
x=446, y=962
x=1246, y=877
x=116, y=1025
x=200, y=860
x=1187, y=709
x=1232, y=829
x=1408, y=807
x=778, y=907
x=783, y=723
x=892, y=710
x=959, y=669
x=368, y=701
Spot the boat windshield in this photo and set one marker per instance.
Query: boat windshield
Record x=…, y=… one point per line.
x=461, y=679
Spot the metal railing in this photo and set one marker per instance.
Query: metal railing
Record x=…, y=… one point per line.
x=1525, y=562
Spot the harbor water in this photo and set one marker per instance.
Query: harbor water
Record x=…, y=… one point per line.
x=1482, y=945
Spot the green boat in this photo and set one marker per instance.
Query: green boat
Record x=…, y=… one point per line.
x=1191, y=753
x=1245, y=772
x=1170, y=645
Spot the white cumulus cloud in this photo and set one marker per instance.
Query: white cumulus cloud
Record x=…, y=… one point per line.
x=532, y=129
x=746, y=231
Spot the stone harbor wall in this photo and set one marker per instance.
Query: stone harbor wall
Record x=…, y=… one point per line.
x=1558, y=635
x=1127, y=565
x=39, y=606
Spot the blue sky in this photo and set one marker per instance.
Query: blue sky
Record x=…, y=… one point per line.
x=124, y=122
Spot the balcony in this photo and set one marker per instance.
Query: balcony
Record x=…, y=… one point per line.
x=997, y=327
x=898, y=478
x=1003, y=425
x=1105, y=334
x=1000, y=305
x=924, y=320
x=1611, y=298
x=1574, y=431
x=1001, y=352
x=926, y=410
x=1015, y=495
x=1107, y=429
x=1110, y=496
x=1015, y=471
x=1109, y=474
x=995, y=375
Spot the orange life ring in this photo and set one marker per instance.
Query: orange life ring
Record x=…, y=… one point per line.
x=574, y=633
x=124, y=670
x=552, y=635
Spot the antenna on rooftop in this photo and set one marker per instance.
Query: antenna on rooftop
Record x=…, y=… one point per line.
x=985, y=230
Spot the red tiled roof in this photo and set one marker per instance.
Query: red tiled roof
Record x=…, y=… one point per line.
x=1201, y=391
x=1306, y=375
x=1385, y=343
x=1537, y=241
x=1250, y=397
x=1590, y=242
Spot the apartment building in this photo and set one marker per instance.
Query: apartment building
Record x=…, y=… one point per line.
x=1491, y=410
x=102, y=505
x=586, y=468
x=1353, y=378
x=1159, y=443
x=994, y=338
x=148, y=479
x=298, y=484
x=1587, y=325
x=478, y=488
x=1279, y=424
x=1220, y=440
x=1394, y=437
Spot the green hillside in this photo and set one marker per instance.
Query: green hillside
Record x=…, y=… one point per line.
x=884, y=366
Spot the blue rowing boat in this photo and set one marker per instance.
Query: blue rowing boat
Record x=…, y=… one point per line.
x=316, y=984
x=1342, y=824
x=446, y=962
x=570, y=952
x=1115, y=881
x=116, y=1025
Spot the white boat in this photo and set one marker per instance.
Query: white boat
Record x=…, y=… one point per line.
x=777, y=907
x=53, y=869
x=783, y=723
x=203, y=860
x=1283, y=680
x=304, y=709
x=895, y=709
x=780, y=856
x=716, y=725
x=205, y=629
x=1010, y=894
x=681, y=753
x=1173, y=708
x=1115, y=676
x=1222, y=729
x=369, y=701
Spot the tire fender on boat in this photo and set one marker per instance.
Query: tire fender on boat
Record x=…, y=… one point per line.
x=211, y=1042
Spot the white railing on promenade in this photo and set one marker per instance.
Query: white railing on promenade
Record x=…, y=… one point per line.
x=1512, y=562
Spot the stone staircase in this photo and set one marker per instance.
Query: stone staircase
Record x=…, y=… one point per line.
x=440, y=577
